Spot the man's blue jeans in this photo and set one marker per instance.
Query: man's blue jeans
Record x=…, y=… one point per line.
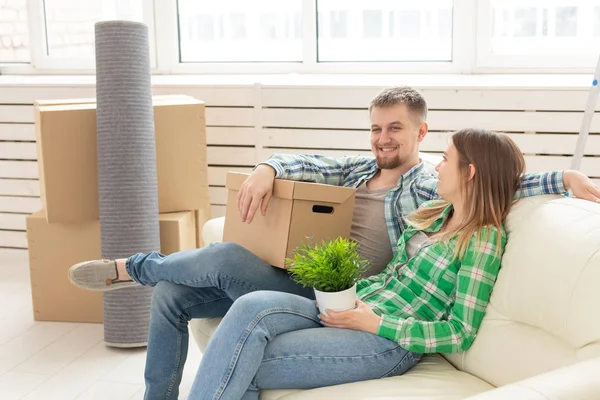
x=198, y=283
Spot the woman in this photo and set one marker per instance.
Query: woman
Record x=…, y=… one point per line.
x=430, y=299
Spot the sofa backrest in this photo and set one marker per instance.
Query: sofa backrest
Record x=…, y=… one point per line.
x=543, y=313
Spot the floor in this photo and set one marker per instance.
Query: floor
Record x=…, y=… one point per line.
x=63, y=361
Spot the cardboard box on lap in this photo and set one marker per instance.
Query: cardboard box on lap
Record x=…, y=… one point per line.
x=67, y=156
x=55, y=247
x=297, y=211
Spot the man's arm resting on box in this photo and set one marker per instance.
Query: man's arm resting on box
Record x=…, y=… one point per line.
x=315, y=168
x=257, y=190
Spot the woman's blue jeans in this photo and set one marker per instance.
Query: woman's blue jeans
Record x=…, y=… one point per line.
x=273, y=340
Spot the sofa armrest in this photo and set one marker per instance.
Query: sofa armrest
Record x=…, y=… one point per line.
x=578, y=381
x=212, y=231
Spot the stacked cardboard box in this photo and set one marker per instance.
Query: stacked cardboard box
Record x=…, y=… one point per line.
x=67, y=230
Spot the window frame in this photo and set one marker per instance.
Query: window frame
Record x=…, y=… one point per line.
x=471, y=52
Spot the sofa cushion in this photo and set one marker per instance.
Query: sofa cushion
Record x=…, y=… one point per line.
x=202, y=330
x=543, y=310
x=212, y=231
x=432, y=378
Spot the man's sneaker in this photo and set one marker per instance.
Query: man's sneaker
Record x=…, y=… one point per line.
x=99, y=275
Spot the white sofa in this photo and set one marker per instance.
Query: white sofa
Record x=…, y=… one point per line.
x=540, y=338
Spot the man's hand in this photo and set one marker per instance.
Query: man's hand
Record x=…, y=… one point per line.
x=362, y=318
x=256, y=191
x=581, y=186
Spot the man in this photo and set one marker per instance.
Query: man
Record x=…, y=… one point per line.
x=203, y=283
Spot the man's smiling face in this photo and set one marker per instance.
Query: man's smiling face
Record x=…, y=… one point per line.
x=394, y=135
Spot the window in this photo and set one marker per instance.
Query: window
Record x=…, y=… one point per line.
x=534, y=33
x=70, y=24
x=14, y=32
x=59, y=34
x=384, y=30
x=240, y=30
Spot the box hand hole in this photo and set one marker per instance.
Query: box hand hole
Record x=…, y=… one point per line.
x=322, y=209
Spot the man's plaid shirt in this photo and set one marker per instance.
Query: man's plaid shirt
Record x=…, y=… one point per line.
x=434, y=303
x=415, y=187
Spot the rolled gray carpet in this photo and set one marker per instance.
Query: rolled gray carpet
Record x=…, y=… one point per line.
x=127, y=183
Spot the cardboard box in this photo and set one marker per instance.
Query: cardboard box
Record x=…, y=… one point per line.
x=201, y=217
x=66, y=137
x=177, y=231
x=54, y=248
x=297, y=211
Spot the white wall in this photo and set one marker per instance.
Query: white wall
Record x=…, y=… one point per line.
x=248, y=121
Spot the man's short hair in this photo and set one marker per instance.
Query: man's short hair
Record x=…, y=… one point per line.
x=402, y=95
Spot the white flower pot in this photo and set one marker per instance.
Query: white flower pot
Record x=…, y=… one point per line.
x=336, y=301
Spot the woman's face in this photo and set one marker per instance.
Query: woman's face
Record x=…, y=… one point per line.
x=450, y=182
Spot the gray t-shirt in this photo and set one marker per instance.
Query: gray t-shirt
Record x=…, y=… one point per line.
x=416, y=242
x=369, y=228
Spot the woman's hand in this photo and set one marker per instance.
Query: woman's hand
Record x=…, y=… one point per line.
x=362, y=318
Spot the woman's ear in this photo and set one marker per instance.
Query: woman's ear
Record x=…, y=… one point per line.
x=471, y=171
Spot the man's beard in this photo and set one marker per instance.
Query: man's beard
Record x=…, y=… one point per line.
x=388, y=163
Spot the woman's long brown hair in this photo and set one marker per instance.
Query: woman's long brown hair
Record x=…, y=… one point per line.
x=499, y=164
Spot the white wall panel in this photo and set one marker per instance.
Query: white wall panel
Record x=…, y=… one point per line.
x=231, y=155
x=247, y=123
x=211, y=95
x=16, y=113
x=218, y=195
x=18, y=151
x=19, y=132
x=506, y=121
x=17, y=239
x=316, y=138
x=217, y=175
x=589, y=165
x=13, y=204
x=229, y=116
x=437, y=99
x=12, y=221
x=18, y=169
x=230, y=136
x=19, y=187
x=267, y=152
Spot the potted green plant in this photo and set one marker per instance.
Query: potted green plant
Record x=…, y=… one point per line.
x=331, y=269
